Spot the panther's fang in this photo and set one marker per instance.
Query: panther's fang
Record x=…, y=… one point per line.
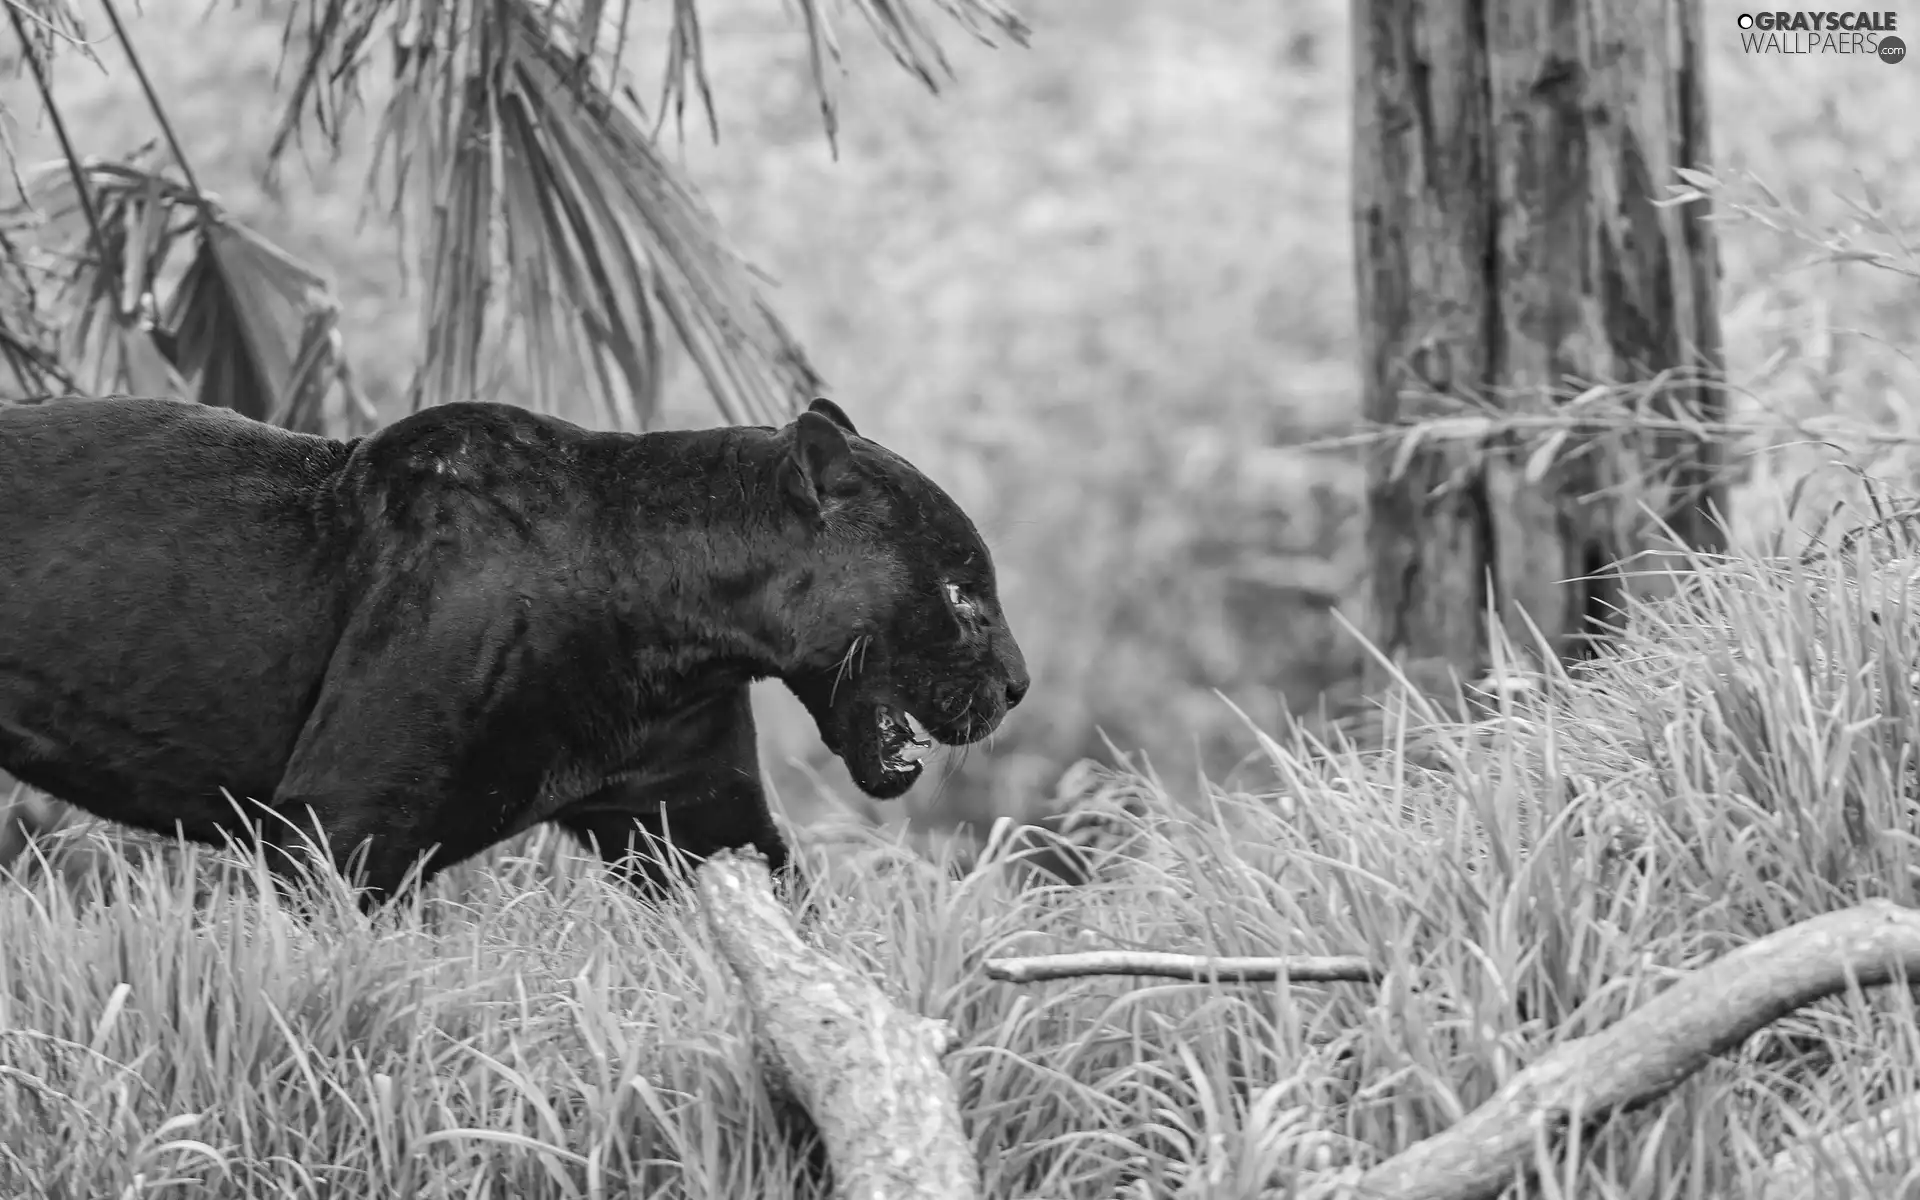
x=920, y=735
x=909, y=741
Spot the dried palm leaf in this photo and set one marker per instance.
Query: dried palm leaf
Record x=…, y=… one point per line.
x=28, y=341
x=902, y=29
x=43, y=26
x=239, y=323
x=259, y=330
x=29, y=345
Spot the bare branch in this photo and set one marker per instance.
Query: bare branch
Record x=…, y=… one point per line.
x=1181, y=966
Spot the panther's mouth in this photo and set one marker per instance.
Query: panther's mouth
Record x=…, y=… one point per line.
x=904, y=741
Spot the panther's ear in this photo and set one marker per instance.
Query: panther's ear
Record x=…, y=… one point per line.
x=831, y=412
x=821, y=465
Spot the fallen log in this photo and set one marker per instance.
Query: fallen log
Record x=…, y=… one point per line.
x=1196, y=968
x=867, y=1074
x=1651, y=1050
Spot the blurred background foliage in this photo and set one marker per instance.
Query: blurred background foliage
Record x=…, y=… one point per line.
x=1100, y=288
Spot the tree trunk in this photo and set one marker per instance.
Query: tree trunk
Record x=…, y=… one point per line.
x=1507, y=159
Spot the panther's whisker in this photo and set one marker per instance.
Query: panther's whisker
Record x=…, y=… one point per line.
x=846, y=669
x=949, y=770
x=955, y=763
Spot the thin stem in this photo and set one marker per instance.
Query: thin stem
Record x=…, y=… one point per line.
x=24, y=358
x=80, y=184
x=153, y=100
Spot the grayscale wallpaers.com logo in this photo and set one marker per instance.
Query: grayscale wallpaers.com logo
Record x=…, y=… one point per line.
x=1802, y=32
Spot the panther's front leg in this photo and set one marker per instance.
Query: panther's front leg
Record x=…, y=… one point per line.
x=416, y=751
x=703, y=823
x=699, y=790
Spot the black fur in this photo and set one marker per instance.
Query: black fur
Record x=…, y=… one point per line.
x=472, y=621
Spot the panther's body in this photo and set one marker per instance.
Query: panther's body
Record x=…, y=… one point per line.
x=473, y=621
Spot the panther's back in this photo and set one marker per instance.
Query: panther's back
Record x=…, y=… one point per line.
x=168, y=596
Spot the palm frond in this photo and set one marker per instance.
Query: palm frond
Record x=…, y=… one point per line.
x=45, y=25
x=901, y=27
x=551, y=222
x=336, y=38
x=631, y=246
x=105, y=231
x=29, y=342
x=259, y=330
x=515, y=130
x=165, y=294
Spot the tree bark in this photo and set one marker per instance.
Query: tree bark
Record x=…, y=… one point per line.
x=868, y=1074
x=1507, y=159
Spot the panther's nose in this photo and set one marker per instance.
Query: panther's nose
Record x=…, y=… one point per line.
x=1014, y=665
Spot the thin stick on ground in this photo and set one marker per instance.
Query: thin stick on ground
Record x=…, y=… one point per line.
x=1653, y=1049
x=1196, y=968
x=867, y=1073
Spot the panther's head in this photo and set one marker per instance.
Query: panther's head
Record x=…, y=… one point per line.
x=904, y=641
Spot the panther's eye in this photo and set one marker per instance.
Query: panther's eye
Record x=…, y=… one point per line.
x=959, y=601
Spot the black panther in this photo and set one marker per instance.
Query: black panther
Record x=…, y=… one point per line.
x=429, y=639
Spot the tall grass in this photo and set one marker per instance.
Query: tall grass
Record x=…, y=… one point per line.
x=1744, y=760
